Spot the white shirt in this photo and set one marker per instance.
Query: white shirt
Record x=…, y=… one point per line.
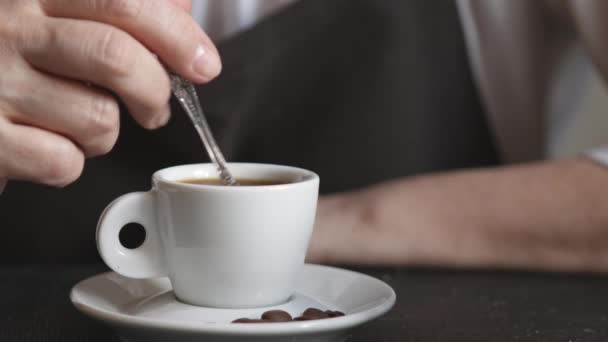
x=224, y=18
x=539, y=85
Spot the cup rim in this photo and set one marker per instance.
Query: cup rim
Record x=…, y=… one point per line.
x=307, y=177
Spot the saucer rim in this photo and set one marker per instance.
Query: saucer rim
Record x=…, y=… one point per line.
x=233, y=329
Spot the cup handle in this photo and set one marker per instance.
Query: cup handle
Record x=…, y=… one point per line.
x=145, y=261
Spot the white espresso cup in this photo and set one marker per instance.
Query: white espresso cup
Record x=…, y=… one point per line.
x=221, y=246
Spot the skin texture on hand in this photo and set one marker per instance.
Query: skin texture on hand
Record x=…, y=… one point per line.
x=542, y=216
x=63, y=62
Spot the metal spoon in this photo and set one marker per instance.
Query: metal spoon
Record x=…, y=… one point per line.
x=185, y=93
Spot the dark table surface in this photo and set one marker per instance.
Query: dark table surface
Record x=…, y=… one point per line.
x=431, y=306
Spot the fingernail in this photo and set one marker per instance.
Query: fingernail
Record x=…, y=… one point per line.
x=164, y=118
x=158, y=121
x=163, y=121
x=207, y=63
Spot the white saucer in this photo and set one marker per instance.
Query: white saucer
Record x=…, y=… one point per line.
x=146, y=310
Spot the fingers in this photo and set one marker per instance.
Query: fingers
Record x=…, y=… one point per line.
x=166, y=29
x=106, y=56
x=48, y=120
x=33, y=154
x=88, y=116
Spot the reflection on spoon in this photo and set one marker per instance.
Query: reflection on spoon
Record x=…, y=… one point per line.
x=185, y=93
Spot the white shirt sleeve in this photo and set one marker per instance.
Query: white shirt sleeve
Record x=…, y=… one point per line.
x=598, y=154
x=222, y=19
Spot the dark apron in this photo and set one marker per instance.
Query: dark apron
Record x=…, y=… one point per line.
x=360, y=91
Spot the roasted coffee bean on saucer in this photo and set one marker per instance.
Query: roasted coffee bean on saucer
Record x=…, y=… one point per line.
x=333, y=314
x=312, y=314
x=249, y=320
x=278, y=316
x=272, y=316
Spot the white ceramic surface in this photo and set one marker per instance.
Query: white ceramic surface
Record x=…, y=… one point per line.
x=225, y=247
x=145, y=309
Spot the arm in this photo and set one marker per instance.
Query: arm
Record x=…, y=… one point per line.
x=551, y=216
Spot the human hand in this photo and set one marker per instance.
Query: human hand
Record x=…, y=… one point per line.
x=62, y=63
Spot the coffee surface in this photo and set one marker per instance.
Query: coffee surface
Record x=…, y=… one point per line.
x=242, y=181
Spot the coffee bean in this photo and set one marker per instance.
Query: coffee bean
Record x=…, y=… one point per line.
x=313, y=313
x=249, y=320
x=334, y=313
x=276, y=316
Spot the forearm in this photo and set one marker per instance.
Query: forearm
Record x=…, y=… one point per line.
x=543, y=216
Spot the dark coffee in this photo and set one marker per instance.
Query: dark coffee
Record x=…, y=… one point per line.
x=242, y=181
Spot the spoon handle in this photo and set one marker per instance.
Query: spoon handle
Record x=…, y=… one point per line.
x=185, y=93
